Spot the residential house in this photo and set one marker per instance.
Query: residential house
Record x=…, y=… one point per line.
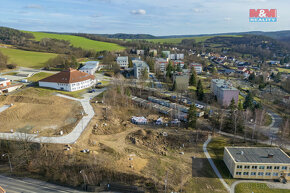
x=153, y=52
x=140, y=52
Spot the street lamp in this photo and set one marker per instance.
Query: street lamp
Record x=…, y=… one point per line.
x=10, y=165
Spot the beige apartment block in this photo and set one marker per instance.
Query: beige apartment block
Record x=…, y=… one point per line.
x=257, y=162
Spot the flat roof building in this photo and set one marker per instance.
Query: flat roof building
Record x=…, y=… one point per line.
x=90, y=67
x=257, y=162
x=123, y=61
x=224, y=91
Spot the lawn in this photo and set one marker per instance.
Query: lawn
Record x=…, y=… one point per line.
x=77, y=41
x=27, y=58
x=178, y=40
x=216, y=151
x=257, y=188
x=286, y=70
x=39, y=76
x=76, y=94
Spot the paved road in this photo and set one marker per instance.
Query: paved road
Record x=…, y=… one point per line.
x=27, y=185
x=213, y=165
x=66, y=139
x=274, y=185
x=3, y=108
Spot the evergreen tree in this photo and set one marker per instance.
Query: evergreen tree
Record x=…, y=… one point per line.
x=240, y=105
x=192, y=79
x=174, y=86
x=130, y=65
x=192, y=117
x=199, y=91
x=169, y=69
x=178, y=69
x=232, y=105
x=249, y=102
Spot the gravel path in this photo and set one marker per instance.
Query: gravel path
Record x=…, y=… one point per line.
x=66, y=139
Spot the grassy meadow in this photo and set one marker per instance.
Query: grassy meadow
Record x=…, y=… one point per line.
x=77, y=41
x=27, y=58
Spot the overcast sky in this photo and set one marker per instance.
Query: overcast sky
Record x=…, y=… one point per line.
x=156, y=17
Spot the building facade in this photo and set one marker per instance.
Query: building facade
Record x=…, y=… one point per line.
x=90, y=67
x=69, y=80
x=123, y=61
x=197, y=67
x=139, y=66
x=161, y=64
x=224, y=92
x=257, y=162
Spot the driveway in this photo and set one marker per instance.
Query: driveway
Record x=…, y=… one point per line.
x=66, y=139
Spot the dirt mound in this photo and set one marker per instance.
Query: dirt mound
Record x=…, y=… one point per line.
x=162, y=142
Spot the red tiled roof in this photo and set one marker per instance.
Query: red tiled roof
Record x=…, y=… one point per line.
x=68, y=76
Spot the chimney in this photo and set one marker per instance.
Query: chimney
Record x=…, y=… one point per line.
x=270, y=155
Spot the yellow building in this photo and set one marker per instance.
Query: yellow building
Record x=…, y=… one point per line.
x=257, y=162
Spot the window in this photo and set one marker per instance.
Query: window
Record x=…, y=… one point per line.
x=254, y=167
x=276, y=167
x=261, y=167
x=269, y=167
x=253, y=173
x=275, y=174
x=238, y=173
x=239, y=166
x=284, y=167
x=260, y=173
x=268, y=174
x=247, y=167
x=246, y=173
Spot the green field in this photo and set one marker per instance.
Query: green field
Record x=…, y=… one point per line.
x=286, y=70
x=27, y=58
x=77, y=41
x=178, y=40
x=39, y=76
x=257, y=188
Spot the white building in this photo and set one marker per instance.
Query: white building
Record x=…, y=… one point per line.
x=139, y=67
x=161, y=64
x=69, y=80
x=197, y=67
x=123, y=61
x=90, y=67
x=4, y=82
x=166, y=54
x=176, y=56
x=140, y=52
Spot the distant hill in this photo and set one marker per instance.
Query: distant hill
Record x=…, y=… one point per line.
x=280, y=35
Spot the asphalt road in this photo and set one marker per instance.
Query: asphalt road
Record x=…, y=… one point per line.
x=27, y=185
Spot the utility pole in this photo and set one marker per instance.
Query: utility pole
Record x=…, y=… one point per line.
x=10, y=165
x=166, y=181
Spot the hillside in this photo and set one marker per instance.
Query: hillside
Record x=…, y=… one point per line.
x=27, y=58
x=77, y=41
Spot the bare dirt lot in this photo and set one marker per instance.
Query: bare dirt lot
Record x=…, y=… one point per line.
x=37, y=111
x=156, y=153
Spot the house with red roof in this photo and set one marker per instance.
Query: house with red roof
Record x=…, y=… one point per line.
x=68, y=80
